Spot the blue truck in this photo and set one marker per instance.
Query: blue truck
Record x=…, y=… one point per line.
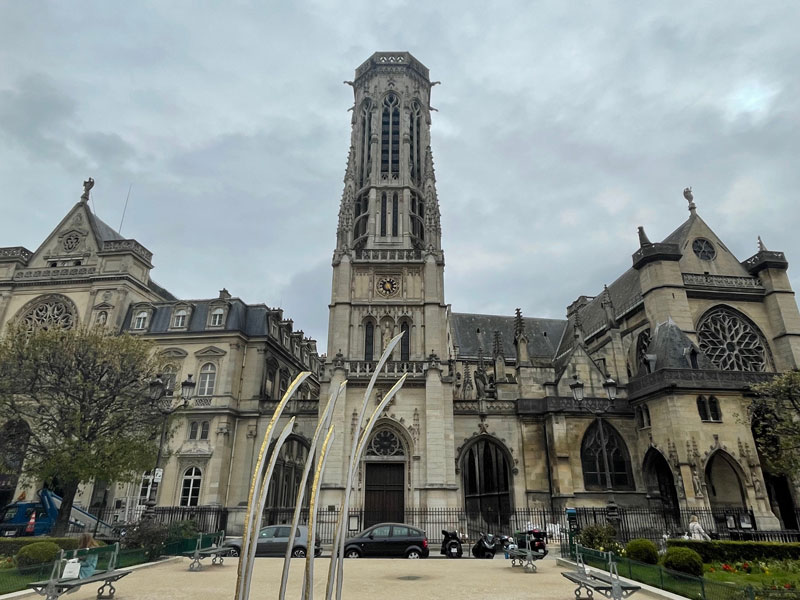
x=15, y=519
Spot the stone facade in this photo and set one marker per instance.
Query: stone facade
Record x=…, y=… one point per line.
x=486, y=420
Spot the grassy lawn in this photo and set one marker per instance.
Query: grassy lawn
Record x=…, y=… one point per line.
x=775, y=576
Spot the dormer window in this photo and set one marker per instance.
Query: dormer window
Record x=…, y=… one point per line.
x=140, y=320
x=216, y=317
x=179, y=319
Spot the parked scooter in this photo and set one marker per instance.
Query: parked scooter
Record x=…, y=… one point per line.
x=486, y=546
x=451, y=544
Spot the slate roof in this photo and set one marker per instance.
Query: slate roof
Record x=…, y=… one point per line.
x=671, y=345
x=103, y=230
x=248, y=319
x=472, y=331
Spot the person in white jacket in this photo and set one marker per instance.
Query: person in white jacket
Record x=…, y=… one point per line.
x=696, y=531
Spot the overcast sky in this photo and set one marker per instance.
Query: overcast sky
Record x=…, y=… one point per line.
x=561, y=126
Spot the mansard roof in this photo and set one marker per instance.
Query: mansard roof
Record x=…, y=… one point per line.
x=472, y=332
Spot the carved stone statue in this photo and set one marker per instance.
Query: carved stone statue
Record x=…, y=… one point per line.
x=87, y=186
x=698, y=487
x=387, y=335
x=687, y=193
x=480, y=384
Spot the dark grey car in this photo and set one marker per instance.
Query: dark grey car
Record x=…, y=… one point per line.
x=272, y=541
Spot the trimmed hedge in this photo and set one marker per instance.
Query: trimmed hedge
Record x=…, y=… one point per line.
x=12, y=546
x=724, y=551
x=643, y=551
x=37, y=554
x=683, y=560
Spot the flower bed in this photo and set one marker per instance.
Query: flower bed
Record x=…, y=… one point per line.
x=768, y=575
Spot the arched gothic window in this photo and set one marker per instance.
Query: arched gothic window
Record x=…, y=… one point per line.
x=190, y=489
x=369, y=340
x=405, y=342
x=287, y=476
x=193, y=430
x=385, y=443
x=204, y=430
x=48, y=312
x=366, y=141
x=208, y=378
x=732, y=341
x=383, y=214
x=415, y=137
x=486, y=476
x=395, y=214
x=390, y=135
x=619, y=462
x=417, y=216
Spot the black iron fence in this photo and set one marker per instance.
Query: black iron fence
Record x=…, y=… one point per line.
x=108, y=522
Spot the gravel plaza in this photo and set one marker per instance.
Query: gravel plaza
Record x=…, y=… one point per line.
x=364, y=578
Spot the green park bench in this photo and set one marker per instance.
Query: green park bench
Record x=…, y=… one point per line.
x=208, y=545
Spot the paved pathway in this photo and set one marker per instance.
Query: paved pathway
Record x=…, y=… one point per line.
x=383, y=579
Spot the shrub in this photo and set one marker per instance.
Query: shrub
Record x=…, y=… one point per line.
x=182, y=529
x=37, y=554
x=600, y=537
x=725, y=551
x=684, y=560
x=11, y=546
x=642, y=550
x=149, y=535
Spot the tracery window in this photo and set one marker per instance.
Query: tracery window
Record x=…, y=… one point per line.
x=486, y=480
x=390, y=135
x=619, y=462
x=48, y=312
x=703, y=249
x=366, y=145
x=417, y=216
x=190, y=490
x=207, y=380
x=731, y=341
x=415, y=137
x=395, y=214
x=385, y=443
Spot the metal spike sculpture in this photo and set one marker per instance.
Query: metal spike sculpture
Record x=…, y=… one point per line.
x=336, y=569
x=263, y=474
x=258, y=493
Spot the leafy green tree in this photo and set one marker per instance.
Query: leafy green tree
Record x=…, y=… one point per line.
x=84, y=394
x=775, y=419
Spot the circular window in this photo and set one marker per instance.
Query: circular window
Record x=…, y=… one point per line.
x=731, y=342
x=704, y=249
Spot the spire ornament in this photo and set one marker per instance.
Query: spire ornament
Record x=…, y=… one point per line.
x=87, y=186
x=761, y=246
x=687, y=193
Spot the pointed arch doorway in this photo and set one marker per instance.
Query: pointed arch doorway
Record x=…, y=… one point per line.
x=384, y=478
x=660, y=483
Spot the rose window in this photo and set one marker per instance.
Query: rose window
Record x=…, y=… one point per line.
x=385, y=443
x=703, y=249
x=731, y=342
x=48, y=312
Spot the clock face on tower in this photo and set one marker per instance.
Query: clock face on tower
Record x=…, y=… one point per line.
x=388, y=286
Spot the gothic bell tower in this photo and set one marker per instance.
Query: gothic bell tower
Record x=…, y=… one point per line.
x=388, y=278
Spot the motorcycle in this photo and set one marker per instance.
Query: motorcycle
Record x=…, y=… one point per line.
x=451, y=544
x=486, y=546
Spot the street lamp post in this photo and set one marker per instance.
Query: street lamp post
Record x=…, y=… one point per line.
x=598, y=407
x=166, y=406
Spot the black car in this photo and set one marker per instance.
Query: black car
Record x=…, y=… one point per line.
x=272, y=541
x=388, y=540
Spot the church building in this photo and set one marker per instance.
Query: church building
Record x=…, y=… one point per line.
x=636, y=399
